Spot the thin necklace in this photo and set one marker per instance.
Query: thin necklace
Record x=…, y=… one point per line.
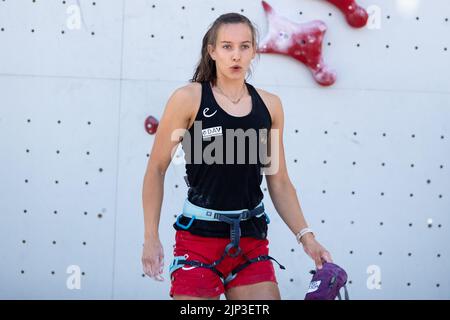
x=234, y=102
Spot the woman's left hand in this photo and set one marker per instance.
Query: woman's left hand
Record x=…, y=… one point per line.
x=315, y=250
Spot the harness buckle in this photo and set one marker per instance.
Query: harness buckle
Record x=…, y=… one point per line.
x=177, y=263
x=244, y=215
x=185, y=227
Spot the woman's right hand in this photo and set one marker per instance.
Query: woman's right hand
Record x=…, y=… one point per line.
x=153, y=258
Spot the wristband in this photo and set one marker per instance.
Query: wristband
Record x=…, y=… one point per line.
x=302, y=233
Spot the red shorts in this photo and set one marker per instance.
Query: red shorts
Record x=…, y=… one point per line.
x=203, y=282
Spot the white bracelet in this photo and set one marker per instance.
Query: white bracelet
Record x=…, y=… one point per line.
x=302, y=233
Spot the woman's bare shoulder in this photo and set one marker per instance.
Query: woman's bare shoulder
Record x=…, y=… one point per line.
x=266, y=95
x=186, y=97
x=271, y=100
x=189, y=91
x=187, y=100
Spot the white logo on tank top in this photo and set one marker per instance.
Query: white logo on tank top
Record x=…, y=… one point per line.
x=210, y=132
x=208, y=115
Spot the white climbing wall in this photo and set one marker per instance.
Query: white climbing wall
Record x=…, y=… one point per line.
x=369, y=156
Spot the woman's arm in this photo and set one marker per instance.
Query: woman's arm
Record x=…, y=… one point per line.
x=176, y=115
x=175, y=119
x=283, y=192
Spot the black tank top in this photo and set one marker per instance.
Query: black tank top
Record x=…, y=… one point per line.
x=225, y=186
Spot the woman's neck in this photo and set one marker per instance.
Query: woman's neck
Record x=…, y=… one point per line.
x=232, y=88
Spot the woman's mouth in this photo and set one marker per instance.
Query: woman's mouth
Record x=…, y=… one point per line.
x=236, y=68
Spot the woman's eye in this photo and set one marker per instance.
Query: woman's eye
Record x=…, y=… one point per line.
x=227, y=46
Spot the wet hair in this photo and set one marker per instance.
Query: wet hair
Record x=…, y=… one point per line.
x=206, y=67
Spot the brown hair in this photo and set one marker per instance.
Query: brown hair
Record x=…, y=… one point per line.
x=206, y=67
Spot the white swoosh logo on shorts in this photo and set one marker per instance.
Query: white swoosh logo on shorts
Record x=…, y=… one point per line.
x=188, y=268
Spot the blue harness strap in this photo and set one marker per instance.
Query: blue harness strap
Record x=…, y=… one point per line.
x=234, y=220
x=180, y=261
x=234, y=272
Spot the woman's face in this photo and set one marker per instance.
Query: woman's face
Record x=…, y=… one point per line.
x=233, y=47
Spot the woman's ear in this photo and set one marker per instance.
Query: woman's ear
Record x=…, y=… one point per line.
x=211, y=52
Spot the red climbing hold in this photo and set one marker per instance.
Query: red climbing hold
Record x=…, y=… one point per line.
x=356, y=15
x=151, y=125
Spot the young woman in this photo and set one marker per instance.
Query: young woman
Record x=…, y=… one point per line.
x=221, y=243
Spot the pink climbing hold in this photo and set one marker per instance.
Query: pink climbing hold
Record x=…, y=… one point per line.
x=301, y=41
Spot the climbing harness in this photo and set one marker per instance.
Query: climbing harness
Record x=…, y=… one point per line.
x=233, y=218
